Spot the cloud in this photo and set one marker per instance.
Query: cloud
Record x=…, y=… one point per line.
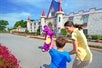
x=25, y=14
x=13, y=17
x=76, y=5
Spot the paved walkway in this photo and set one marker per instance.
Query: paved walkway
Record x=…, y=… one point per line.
x=27, y=51
x=89, y=42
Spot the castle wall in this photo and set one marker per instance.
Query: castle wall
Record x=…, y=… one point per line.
x=95, y=22
x=52, y=20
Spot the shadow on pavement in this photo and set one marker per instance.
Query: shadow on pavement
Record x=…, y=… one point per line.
x=46, y=66
x=40, y=47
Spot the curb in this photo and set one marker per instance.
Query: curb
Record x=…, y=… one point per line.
x=96, y=49
x=96, y=46
x=90, y=45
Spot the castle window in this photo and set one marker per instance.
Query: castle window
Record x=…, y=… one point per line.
x=71, y=19
x=59, y=19
x=35, y=24
x=52, y=14
x=85, y=18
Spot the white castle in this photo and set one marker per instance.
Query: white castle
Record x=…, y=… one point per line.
x=91, y=20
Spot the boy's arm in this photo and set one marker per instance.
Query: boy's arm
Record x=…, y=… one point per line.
x=52, y=44
x=69, y=59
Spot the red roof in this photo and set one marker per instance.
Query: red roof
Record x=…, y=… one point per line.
x=43, y=13
x=59, y=6
x=28, y=17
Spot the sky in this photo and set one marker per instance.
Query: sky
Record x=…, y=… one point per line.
x=15, y=10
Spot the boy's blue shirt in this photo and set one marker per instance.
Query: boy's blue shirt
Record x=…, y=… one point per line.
x=59, y=59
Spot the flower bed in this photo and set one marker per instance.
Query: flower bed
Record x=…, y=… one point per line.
x=7, y=60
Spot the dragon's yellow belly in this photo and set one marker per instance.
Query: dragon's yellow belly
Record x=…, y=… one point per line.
x=48, y=39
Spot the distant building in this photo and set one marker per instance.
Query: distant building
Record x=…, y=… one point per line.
x=32, y=25
x=91, y=20
x=21, y=29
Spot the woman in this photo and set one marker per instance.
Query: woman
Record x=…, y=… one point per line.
x=80, y=45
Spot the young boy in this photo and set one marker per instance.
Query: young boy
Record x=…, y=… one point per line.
x=58, y=56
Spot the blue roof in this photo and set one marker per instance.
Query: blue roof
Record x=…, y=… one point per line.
x=55, y=5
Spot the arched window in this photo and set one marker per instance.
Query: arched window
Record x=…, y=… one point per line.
x=59, y=19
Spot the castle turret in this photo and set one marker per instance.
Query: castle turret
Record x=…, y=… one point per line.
x=43, y=19
x=59, y=14
x=28, y=24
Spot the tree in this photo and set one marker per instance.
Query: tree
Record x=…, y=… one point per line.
x=3, y=24
x=21, y=23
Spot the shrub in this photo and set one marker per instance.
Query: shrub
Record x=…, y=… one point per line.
x=63, y=32
x=26, y=31
x=38, y=31
x=96, y=37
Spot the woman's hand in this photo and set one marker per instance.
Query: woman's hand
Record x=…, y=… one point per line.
x=75, y=44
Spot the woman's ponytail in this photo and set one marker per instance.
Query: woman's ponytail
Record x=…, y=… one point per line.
x=78, y=26
x=70, y=23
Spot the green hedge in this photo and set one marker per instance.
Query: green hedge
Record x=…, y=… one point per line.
x=63, y=32
x=96, y=37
